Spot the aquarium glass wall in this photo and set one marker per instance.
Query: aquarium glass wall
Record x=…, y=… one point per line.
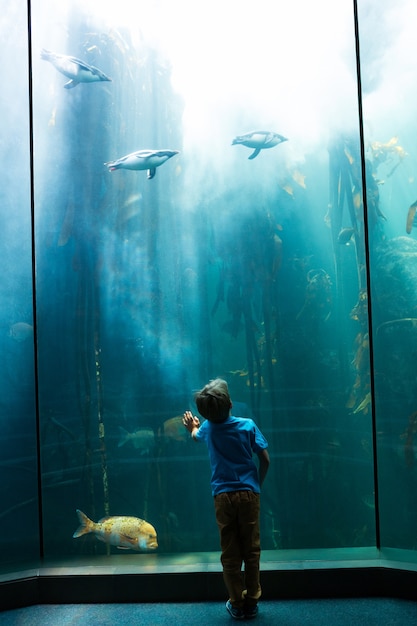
x=202, y=208
x=18, y=424
x=389, y=74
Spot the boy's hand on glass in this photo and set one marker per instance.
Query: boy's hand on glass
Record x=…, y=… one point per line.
x=190, y=421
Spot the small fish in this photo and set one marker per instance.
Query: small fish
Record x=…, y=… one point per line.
x=410, y=217
x=76, y=70
x=299, y=178
x=121, y=531
x=357, y=200
x=239, y=373
x=20, y=331
x=345, y=235
x=259, y=140
x=333, y=444
x=142, y=439
x=142, y=160
x=288, y=189
x=369, y=500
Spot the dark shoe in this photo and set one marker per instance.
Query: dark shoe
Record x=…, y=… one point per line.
x=251, y=611
x=235, y=613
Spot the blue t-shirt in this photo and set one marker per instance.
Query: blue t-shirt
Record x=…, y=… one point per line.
x=231, y=446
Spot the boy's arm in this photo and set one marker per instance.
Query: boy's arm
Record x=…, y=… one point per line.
x=264, y=461
x=191, y=423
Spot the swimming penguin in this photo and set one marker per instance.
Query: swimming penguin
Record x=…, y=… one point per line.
x=77, y=71
x=260, y=140
x=142, y=160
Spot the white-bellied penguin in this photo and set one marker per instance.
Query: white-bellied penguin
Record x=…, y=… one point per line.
x=259, y=140
x=76, y=70
x=142, y=160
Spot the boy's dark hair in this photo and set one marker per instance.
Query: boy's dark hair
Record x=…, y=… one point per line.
x=213, y=401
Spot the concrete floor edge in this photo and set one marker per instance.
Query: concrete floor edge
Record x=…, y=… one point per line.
x=206, y=586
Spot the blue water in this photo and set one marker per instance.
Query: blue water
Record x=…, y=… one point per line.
x=253, y=269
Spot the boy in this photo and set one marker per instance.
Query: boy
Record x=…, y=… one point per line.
x=236, y=484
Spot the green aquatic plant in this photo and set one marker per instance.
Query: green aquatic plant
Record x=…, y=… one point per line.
x=247, y=285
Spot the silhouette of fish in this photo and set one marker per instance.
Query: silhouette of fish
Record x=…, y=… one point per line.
x=345, y=235
x=21, y=331
x=76, y=70
x=173, y=429
x=142, y=439
x=259, y=140
x=410, y=217
x=142, y=160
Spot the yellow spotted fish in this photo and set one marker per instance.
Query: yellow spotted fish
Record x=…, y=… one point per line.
x=120, y=530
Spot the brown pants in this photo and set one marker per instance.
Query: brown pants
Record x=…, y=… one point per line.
x=237, y=516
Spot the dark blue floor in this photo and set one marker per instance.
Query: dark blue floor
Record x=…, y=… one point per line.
x=346, y=612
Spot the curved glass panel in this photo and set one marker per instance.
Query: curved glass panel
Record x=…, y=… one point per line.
x=389, y=77
x=213, y=251
x=19, y=535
